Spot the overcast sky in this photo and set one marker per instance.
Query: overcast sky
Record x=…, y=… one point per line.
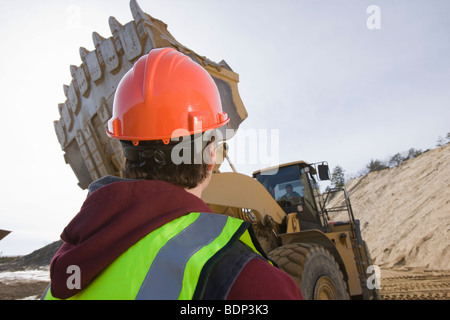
x=321, y=80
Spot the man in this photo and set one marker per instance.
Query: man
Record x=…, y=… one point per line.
x=149, y=235
x=291, y=196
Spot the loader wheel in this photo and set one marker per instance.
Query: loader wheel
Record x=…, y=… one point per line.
x=314, y=269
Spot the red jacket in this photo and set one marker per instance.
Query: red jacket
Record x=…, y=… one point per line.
x=119, y=212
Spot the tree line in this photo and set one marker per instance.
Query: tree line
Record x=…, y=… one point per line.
x=338, y=174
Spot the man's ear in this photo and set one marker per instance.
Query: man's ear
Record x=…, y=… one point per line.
x=211, y=161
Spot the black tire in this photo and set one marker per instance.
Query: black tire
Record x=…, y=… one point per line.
x=314, y=269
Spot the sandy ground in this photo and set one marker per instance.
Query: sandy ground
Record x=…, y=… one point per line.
x=415, y=284
x=23, y=284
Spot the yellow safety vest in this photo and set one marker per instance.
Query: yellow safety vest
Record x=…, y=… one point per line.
x=196, y=256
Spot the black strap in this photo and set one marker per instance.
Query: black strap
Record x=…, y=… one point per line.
x=226, y=270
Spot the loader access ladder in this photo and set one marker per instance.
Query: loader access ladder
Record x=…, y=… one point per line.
x=356, y=241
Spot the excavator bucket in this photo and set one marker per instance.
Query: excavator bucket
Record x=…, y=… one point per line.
x=81, y=130
x=4, y=233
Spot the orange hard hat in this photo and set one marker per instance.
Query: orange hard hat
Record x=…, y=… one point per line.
x=165, y=95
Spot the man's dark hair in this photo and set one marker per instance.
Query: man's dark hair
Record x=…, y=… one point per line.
x=152, y=160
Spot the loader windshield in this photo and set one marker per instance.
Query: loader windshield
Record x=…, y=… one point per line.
x=291, y=187
x=284, y=185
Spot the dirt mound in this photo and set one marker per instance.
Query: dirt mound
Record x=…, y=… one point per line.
x=26, y=277
x=404, y=211
x=38, y=258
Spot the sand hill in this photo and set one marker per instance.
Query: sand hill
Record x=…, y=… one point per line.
x=405, y=211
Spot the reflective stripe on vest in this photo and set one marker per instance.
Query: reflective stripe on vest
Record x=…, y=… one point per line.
x=168, y=262
x=164, y=280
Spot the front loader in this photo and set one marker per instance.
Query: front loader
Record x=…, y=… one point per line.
x=329, y=260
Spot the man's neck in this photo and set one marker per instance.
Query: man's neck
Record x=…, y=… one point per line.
x=197, y=191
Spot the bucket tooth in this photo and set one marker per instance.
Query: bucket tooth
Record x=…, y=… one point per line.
x=66, y=90
x=60, y=133
x=73, y=70
x=66, y=116
x=116, y=30
x=106, y=52
x=60, y=106
x=72, y=97
x=140, y=17
x=137, y=12
x=97, y=39
x=80, y=79
x=92, y=64
x=126, y=38
x=114, y=25
x=83, y=53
